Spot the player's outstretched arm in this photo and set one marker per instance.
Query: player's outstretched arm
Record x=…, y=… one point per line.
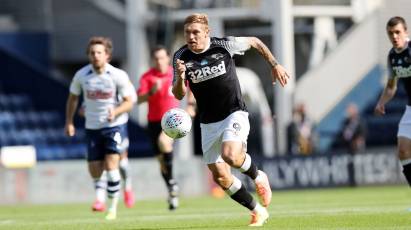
x=71, y=106
x=278, y=72
x=386, y=96
x=179, y=88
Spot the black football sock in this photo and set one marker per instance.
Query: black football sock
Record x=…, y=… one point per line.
x=407, y=172
x=238, y=193
x=249, y=168
x=167, y=174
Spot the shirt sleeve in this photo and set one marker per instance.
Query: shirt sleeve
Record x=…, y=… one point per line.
x=124, y=86
x=75, y=86
x=133, y=94
x=176, y=56
x=235, y=45
x=391, y=73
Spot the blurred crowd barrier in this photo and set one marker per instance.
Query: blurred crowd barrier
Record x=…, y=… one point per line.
x=69, y=181
x=331, y=170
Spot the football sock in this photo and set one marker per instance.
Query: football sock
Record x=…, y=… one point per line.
x=125, y=173
x=258, y=208
x=113, y=186
x=406, y=169
x=238, y=193
x=100, y=186
x=167, y=159
x=249, y=168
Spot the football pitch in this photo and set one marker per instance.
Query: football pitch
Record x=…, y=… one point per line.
x=342, y=208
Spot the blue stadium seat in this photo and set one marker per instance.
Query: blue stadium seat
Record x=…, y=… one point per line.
x=76, y=151
x=7, y=121
x=50, y=119
x=19, y=102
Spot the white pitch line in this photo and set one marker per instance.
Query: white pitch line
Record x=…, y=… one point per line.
x=7, y=222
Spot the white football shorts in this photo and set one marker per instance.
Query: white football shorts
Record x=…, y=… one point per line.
x=235, y=127
x=404, y=127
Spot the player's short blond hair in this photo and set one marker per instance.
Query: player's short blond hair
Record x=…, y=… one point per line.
x=197, y=18
x=105, y=41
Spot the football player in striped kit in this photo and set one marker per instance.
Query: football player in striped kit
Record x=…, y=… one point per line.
x=206, y=64
x=101, y=84
x=399, y=68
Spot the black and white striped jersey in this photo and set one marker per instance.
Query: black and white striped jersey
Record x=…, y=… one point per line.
x=212, y=77
x=399, y=65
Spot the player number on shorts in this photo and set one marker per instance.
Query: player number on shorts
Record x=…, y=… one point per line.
x=117, y=138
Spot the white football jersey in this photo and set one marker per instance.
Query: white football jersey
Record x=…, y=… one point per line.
x=132, y=90
x=102, y=92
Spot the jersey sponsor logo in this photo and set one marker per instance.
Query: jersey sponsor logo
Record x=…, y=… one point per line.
x=189, y=64
x=237, y=126
x=402, y=71
x=207, y=72
x=217, y=56
x=98, y=94
x=99, y=88
x=204, y=62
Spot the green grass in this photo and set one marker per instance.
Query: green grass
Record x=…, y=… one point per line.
x=345, y=208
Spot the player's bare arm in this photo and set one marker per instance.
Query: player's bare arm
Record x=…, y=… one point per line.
x=386, y=96
x=179, y=87
x=71, y=106
x=125, y=107
x=191, y=104
x=278, y=72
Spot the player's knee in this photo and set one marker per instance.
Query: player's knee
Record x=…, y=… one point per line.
x=404, y=152
x=112, y=161
x=165, y=144
x=95, y=169
x=231, y=157
x=228, y=158
x=232, y=153
x=222, y=180
x=165, y=147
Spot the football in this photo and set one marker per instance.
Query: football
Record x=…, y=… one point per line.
x=176, y=123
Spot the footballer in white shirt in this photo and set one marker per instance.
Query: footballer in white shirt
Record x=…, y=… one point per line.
x=101, y=85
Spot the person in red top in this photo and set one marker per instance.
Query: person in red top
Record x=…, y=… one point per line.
x=155, y=88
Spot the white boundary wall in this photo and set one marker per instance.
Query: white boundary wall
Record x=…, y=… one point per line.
x=69, y=181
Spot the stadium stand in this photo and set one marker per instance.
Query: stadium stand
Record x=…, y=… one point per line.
x=20, y=124
x=382, y=131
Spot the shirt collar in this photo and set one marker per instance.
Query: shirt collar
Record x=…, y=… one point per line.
x=107, y=69
x=206, y=48
x=404, y=48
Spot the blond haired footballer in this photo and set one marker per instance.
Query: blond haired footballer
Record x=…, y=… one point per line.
x=206, y=65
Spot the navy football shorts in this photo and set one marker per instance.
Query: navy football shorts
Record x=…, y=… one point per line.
x=103, y=141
